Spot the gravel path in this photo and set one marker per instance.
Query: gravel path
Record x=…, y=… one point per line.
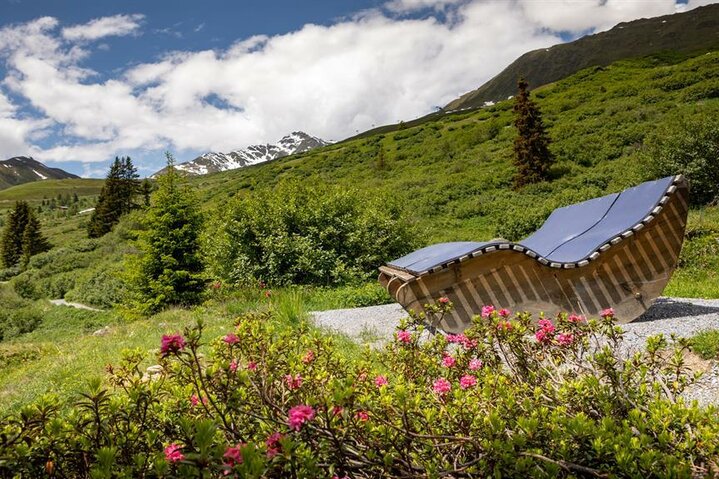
x=684, y=317
x=62, y=302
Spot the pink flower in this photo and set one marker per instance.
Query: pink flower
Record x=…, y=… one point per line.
x=547, y=325
x=233, y=456
x=252, y=366
x=195, y=400
x=543, y=336
x=404, y=336
x=467, y=381
x=337, y=411
x=475, y=364
x=448, y=361
x=231, y=339
x=607, y=313
x=338, y=477
x=487, y=311
x=362, y=416
x=455, y=338
x=309, y=357
x=441, y=387
x=216, y=285
x=233, y=366
x=293, y=382
x=575, y=318
x=565, y=339
x=173, y=453
x=172, y=343
x=444, y=300
x=504, y=312
x=380, y=381
x=273, y=444
x=299, y=415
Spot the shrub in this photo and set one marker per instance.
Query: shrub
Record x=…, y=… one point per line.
x=509, y=397
x=299, y=234
x=690, y=148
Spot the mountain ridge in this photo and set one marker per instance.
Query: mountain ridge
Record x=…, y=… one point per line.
x=25, y=169
x=295, y=142
x=685, y=32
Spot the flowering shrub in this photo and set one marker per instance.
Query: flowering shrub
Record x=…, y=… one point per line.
x=518, y=398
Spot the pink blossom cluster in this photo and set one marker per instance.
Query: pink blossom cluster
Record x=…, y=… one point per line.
x=380, y=381
x=293, y=382
x=504, y=326
x=461, y=339
x=362, y=416
x=565, y=339
x=443, y=300
x=195, y=400
x=487, y=311
x=171, y=344
x=607, y=313
x=308, y=357
x=233, y=456
x=273, y=444
x=467, y=381
x=545, y=333
x=441, y=386
x=475, y=364
x=448, y=361
x=299, y=415
x=231, y=339
x=173, y=453
x=404, y=336
x=575, y=318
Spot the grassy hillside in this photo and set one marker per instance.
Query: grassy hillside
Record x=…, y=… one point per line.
x=46, y=189
x=679, y=33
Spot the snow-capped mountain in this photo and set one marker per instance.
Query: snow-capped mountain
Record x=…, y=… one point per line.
x=296, y=142
x=24, y=169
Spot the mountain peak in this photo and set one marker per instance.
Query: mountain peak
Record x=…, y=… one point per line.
x=295, y=142
x=24, y=169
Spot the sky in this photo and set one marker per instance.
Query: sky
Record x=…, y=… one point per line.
x=84, y=81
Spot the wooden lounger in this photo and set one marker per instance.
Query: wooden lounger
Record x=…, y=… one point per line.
x=616, y=251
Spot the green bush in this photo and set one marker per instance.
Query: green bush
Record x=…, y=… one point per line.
x=19, y=321
x=510, y=397
x=101, y=286
x=691, y=148
x=298, y=234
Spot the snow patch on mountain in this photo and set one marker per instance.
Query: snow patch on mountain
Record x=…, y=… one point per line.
x=295, y=142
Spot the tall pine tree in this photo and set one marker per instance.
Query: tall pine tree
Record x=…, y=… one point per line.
x=170, y=269
x=117, y=197
x=22, y=237
x=532, y=157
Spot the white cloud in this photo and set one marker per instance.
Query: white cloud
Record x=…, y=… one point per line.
x=116, y=25
x=330, y=81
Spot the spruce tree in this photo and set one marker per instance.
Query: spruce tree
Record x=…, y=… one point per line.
x=21, y=237
x=33, y=241
x=532, y=157
x=116, y=197
x=170, y=269
x=146, y=190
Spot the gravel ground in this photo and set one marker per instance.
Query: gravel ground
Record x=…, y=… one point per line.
x=684, y=317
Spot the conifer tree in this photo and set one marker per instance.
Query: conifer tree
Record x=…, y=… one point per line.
x=146, y=190
x=116, y=197
x=170, y=269
x=22, y=237
x=532, y=157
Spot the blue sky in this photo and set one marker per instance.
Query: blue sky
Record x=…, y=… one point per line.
x=83, y=81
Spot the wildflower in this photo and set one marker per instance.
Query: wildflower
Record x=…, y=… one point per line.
x=467, y=381
x=380, y=381
x=195, y=400
x=542, y=335
x=455, y=338
x=293, y=382
x=362, y=416
x=448, y=361
x=565, y=339
x=547, y=325
x=404, y=336
x=444, y=300
x=575, y=318
x=487, y=311
x=504, y=312
x=173, y=453
x=441, y=387
x=309, y=357
x=231, y=339
x=233, y=366
x=337, y=411
x=268, y=293
x=273, y=444
x=216, y=285
x=172, y=343
x=251, y=366
x=475, y=364
x=607, y=313
x=233, y=456
x=299, y=415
